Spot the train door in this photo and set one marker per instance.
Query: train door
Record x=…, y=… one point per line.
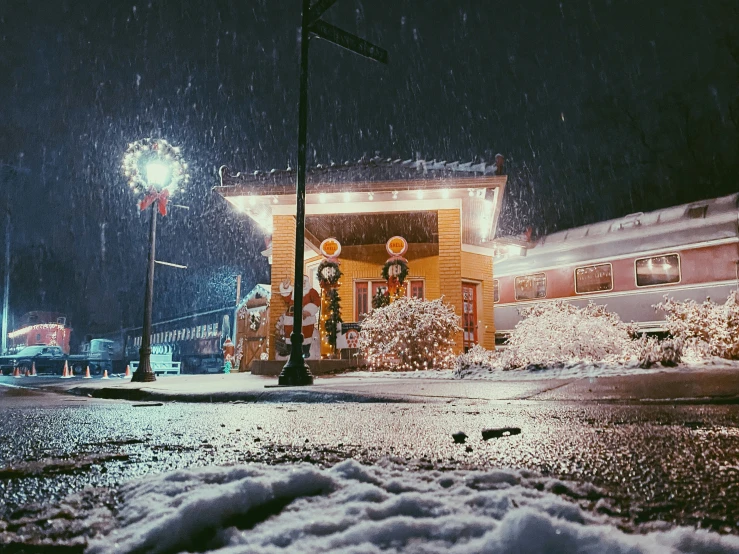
x=469, y=315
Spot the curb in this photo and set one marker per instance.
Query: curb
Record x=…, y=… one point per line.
x=275, y=396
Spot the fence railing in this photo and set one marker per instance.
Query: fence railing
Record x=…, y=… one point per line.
x=160, y=368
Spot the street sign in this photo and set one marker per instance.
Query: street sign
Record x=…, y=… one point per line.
x=318, y=9
x=349, y=41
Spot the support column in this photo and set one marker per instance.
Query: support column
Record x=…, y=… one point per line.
x=450, y=262
x=283, y=262
x=487, y=321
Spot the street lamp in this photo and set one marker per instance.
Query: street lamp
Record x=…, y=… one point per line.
x=155, y=169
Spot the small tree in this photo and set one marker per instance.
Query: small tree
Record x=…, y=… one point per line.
x=709, y=328
x=410, y=334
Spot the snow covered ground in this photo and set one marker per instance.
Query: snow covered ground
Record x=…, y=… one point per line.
x=570, y=371
x=351, y=508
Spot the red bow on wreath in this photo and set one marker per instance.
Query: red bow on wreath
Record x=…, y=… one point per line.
x=152, y=196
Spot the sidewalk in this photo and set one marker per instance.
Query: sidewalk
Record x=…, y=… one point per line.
x=714, y=386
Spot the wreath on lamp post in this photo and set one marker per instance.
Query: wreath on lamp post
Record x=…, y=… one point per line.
x=394, y=272
x=328, y=274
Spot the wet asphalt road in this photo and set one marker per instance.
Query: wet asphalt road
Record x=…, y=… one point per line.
x=674, y=463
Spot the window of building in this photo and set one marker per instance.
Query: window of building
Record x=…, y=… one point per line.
x=657, y=270
x=415, y=289
x=496, y=291
x=530, y=287
x=38, y=337
x=379, y=286
x=593, y=278
x=361, y=304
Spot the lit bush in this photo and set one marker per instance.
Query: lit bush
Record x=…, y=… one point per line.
x=706, y=329
x=558, y=332
x=410, y=334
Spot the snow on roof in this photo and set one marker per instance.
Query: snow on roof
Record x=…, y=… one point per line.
x=368, y=170
x=676, y=226
x=259, y=290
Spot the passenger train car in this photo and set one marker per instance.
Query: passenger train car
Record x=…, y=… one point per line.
x=629, y=264
x=195, y=340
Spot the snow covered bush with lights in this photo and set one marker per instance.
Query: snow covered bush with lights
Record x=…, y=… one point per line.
x=707, y=329
x=410, y=334
x=477, y=359
x=557, y=335
x=560, y=332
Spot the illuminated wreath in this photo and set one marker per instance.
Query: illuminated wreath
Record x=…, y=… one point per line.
x=397, y=268
x=141, y=153
x=328, y=274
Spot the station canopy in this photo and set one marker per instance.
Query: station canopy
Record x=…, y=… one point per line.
x=344, y=200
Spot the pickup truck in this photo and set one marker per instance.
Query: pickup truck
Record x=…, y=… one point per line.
x=48, y=359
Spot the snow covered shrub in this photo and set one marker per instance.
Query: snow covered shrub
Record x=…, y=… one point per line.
x=410, y=334
x=558, y=332
x=475, y=359
x=652, y=351
x=709, y=328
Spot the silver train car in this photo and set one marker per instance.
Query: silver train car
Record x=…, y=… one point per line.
x=629, y=264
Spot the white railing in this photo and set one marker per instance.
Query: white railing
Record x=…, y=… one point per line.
x=160, y=368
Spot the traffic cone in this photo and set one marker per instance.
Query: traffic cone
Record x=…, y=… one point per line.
x=105, y=374
x=33, y=370
x=128, y=372
x=87, y=372
x=17, y=372
x=65, y=373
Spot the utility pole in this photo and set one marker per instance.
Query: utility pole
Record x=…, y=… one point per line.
x=8, y=228
x=296, y=371
x=6, y=288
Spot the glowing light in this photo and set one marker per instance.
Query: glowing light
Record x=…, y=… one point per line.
x=274, y=200
x=347, y=197
x=322, y=198
x=419, y=194
x=395, y=195
x=154, y=163
x=157, y=174
x=445, y=193
x=371, y=195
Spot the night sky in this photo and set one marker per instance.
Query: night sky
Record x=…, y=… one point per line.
x=601, y=108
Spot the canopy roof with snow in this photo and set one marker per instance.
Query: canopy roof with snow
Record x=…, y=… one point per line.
x=407, y=193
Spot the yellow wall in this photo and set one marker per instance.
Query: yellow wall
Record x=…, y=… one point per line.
x=283, y=265
x=442, y=266
x=365, y=263
x=450, y=262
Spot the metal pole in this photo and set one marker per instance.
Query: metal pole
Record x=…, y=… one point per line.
x=143, y=373
x=6, y=292
x=296, y=371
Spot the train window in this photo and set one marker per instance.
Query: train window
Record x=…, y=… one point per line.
x=530, y=287
x=496, y=291
x=697, y=212
x=657, y=270
x=593, y=278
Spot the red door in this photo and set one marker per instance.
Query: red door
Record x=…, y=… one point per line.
x=469, y=315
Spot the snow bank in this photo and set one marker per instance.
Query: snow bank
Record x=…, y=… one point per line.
x=354, y=508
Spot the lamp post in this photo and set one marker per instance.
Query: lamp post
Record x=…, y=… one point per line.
x=156, y=169
x=296, y=371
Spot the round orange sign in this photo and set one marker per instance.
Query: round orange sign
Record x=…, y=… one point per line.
x=396, y=246
x=330, y=248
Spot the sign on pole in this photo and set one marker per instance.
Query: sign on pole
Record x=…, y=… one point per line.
x=351, y=42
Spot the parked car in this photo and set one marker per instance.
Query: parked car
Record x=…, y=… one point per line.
x=48, y=359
